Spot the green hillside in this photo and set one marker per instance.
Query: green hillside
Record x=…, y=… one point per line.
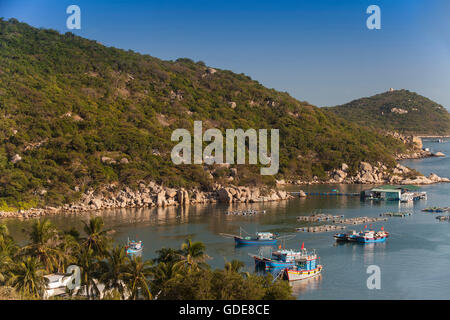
x=67, y=102
x=400, y=110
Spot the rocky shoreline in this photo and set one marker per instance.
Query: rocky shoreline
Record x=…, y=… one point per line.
x=149, y=195
x=371, y=174
x=154, y=195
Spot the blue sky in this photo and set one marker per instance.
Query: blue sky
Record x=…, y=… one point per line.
x=318, y=51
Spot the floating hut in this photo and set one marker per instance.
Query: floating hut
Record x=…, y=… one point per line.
x=394, y=193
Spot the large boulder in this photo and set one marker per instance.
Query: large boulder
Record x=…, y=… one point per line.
x=224, y=195
x=302, y=194
x=171, y=193
x=97, y=203
x=365, y=166
x=161, y=198
x=183, y=197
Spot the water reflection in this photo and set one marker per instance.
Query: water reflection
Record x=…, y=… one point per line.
x=303, y=286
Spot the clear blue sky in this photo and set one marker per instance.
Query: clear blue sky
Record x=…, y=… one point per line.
x=318, y=51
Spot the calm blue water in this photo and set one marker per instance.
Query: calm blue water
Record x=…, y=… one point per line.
x=414, y=261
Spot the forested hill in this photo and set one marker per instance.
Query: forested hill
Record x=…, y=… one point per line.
x=75, y=114
x=398, y=110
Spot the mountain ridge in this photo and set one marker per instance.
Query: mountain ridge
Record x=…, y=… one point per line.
x=77, y=115
x=402, y=111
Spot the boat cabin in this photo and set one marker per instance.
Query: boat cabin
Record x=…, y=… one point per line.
x=264, y=236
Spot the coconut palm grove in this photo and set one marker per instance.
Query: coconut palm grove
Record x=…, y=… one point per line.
x=175, y=273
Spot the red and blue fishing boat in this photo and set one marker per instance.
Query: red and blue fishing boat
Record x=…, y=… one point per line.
x=305, y=267
x=281, y=258
x=369, y=236
x=372, y=236
x=134, y=247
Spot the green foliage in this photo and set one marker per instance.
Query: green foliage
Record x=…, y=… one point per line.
x=174, y=274
x=67, y=102
x=423, y=117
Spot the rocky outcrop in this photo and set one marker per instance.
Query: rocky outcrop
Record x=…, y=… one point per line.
x=153, y=195
x=375, y=174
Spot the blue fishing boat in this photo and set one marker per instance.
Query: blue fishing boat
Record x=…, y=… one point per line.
x=305, y=267
x=372, y=236
x=347, y=236
x=261, y=238
x=434, y=209
x=281, y=258
x=134, y=247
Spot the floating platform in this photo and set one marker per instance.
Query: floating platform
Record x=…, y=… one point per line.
x=323, y=228
x=360, y=220
x=319, y=217
x=244, y=212
x=395, y=214
x=328, y=194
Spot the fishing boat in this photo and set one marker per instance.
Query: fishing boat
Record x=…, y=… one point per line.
x=347, y=236
x=261, y=238
x=434, y=209
x=367, y=236
x=372, y=236
x=281, y=258
x=134, y=247
x=305, y=267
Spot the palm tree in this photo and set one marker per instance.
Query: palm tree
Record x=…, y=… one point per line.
x=8, y=250
x=163, y=272
x=115, y=266
x=44, y=245
x=234, y=266
x=7, y=244
x=91, y=270
x=5, y=263
x=193, y=255
x=27, y=277
x=97, y=238
x=70, y=248
x=137, y=277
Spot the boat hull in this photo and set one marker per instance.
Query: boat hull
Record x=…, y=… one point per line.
x=272, y=264
x=297, y=275
x=241, y=241
x=345, y=237
x=135, y=252
x=371, y=240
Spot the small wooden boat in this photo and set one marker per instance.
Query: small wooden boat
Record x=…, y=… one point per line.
x=134, y=247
